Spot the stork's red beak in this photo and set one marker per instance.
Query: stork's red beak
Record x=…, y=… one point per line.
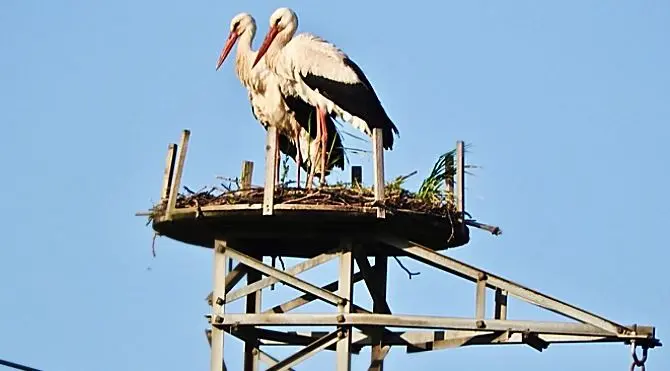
x=232, y=38
x=272, y=33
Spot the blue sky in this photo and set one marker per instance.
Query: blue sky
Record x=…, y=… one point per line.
x=566, y=104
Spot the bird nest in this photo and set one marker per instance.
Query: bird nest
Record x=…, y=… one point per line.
x=346, y=195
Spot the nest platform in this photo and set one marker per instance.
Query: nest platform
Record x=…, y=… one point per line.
x=306, y=223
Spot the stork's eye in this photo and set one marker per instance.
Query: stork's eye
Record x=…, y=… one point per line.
x=277, y=21
x=236, y=25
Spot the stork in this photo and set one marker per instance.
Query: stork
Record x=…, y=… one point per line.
x=319, y=73
x=293, y=118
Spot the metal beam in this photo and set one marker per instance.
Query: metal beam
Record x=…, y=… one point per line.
x=379, y=350
x=286, y=278
x=435, y=322
x=308, y=298
x=471, y=273
x=253, y=305
x=293, y=271
x=307, y=351
x=232, y=279
x=217, y=362
x=345, y=290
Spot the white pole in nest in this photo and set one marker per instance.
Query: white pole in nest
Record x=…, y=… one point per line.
x=460, y=178
x=169, y=171
x=176, y=179
x=378, y=168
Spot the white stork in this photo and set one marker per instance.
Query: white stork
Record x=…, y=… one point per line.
x=319, y=73
x=294, y=119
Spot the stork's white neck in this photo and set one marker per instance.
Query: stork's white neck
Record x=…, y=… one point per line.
x=275, y=49
x=244, y=57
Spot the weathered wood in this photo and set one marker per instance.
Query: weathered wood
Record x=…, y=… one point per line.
x=460, y=177
x=168, y=171
x=356, y=175
x=247, y=174
x=178, y=170
x=270, y=171
x=378, y=168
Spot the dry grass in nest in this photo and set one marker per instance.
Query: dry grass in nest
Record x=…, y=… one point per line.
x=396, y=198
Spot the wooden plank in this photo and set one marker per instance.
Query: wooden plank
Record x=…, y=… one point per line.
x=378, y=168
x=179, y=169
x=168, y=171
x=356, y=175
x=270, y=171
x=247, y=174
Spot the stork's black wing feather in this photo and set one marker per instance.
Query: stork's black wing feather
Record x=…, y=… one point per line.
x=359, y=99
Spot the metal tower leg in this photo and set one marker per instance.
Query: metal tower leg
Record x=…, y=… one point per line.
x=218, y=308
x=379, y=351
x=345, y=290
x=251, y=351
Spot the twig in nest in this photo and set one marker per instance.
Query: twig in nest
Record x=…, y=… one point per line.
x=189, y=190
x=405, y=268
x=283, y=267
x=303, y=198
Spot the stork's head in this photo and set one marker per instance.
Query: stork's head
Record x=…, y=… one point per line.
x=240, y=24
x=282, y=20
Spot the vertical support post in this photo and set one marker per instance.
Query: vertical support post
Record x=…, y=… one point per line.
x=501, y=304
x=247, y=174
x=356, y=175
x=270, y=171
x=378, y=168
x=253, y=305
x=178, y=170
x=377, y=354
x=460, y=178
x=169, y=171
x=480, y=297
x=449, y=179
x=217, y=362
x=245, y=183
x=345, y=290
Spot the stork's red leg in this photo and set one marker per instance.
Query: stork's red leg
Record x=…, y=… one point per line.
x=324, y=143
x=298, y=158
x=277, y=158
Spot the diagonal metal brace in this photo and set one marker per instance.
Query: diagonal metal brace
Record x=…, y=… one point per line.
x=286, y=278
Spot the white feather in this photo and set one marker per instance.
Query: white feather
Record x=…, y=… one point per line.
x=292, y=57
x=265, y=95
